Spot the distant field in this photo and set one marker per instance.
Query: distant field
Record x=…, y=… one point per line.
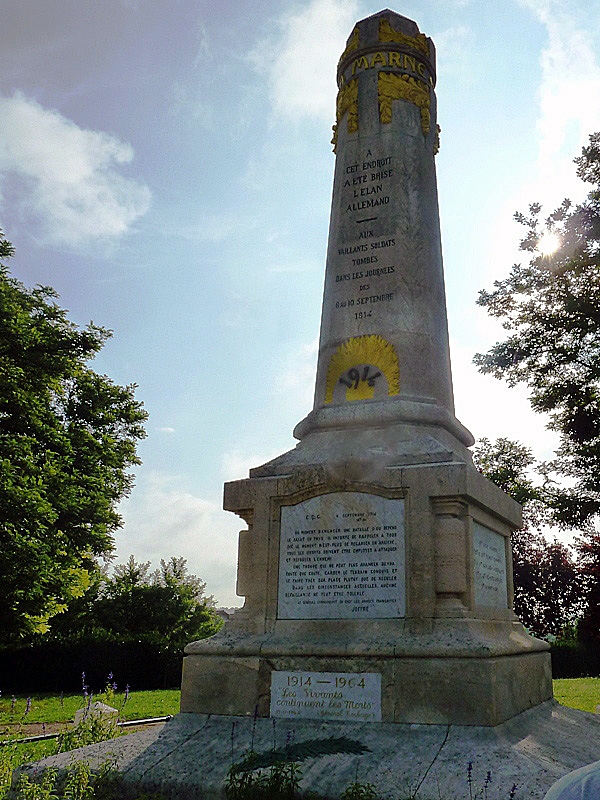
x=581, y=693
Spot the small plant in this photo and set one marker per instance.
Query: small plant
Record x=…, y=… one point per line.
x=278, y=782
x=43, y=789
x=78, y=783
x=360, y=791
x=95, y=726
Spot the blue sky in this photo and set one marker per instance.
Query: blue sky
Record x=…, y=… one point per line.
x=166, y=167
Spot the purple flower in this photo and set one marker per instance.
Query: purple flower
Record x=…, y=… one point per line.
x=126, y=692
x=28, y=706
x=13, y=703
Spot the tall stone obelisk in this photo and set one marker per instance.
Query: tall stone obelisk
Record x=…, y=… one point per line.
x=376, y=566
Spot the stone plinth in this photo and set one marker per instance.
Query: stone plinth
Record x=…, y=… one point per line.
x=457, y=654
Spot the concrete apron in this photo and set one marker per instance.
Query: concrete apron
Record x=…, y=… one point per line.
x=190, y=756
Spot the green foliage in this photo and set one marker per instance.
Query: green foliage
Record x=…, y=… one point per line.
x=67, y=439
x=44, y=789
x=79, y=782
x=360, y=791
x=551, y=310
x=166, y=607
x=548, y=584
x=278, y=782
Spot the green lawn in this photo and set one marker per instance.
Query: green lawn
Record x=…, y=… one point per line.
x=50, y=708
x=581, y=693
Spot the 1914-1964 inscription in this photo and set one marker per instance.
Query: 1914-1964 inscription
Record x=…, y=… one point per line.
x=342, y=696
x=342, y=557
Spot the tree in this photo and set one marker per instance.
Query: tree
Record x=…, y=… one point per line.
x=547, y=582
x=588, y=550
x=167, y=607
x=551, y=309
x=67, y=440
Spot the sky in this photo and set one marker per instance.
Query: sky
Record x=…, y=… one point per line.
x=167, y=168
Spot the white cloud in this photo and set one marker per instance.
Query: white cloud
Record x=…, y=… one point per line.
x=490, y=408
x=69, y=174
x=297, y=378
x=567, y=95
x=453, y=46
x=303, y=55
x=236, y=465
x=166, y=429
x=162, y=520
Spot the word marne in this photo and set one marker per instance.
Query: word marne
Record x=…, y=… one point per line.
x=388, y=58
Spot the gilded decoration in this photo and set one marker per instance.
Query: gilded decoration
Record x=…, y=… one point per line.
x=436, y=141
x=388, y=34
x=365, y=352
x=392, y=86
x=347, y=101
x=351, y=45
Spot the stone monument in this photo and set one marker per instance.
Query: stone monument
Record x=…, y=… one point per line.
x=376, y=566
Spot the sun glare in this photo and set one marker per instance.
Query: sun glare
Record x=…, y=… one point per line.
x=549, y=242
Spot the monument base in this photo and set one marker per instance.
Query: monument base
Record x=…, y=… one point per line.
x=406, y=580
x=436, y=691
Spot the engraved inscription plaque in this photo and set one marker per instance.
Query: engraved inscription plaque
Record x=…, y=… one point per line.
x=489, y=564
x=327, y=695
x=342, y=557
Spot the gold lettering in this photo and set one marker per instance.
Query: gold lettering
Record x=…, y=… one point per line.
x=360, y=63
x=421, y=69
x=410, y=63
x=378, y=58
x=394, y=59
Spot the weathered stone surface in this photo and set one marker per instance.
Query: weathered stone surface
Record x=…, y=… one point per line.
x=341, y=556
x=448, y=659
x=189, y=758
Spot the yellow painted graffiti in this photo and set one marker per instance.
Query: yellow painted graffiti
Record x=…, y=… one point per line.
x=374, y=356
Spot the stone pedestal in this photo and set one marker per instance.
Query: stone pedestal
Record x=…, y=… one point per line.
x=457, y=654
x=376, y=565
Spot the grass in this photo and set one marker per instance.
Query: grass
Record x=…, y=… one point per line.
x=581, y=693
x=48, y=708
